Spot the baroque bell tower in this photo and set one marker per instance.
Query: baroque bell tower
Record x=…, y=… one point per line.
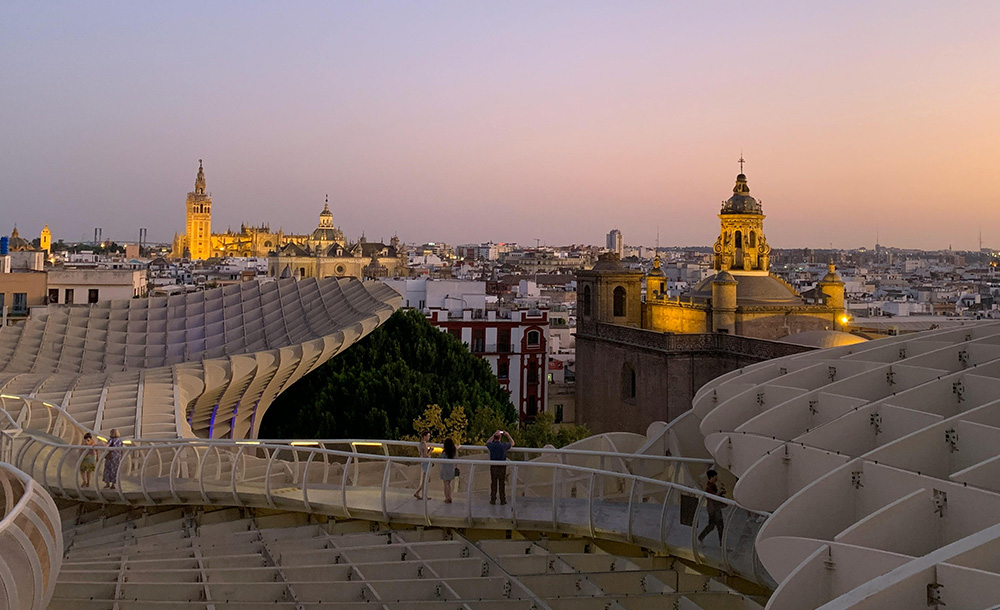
x=741, y=245
x=199, y=218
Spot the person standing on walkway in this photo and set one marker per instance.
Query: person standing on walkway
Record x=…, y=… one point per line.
x=425, y=452
x=112, y=459
x=714, y=487
x=89, y=463
x=448, y=469
x=498, y=472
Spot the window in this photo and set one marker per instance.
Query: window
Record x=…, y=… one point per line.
x=503, y=370
x=533, y=373
x=559, y=414
x=503, y=340
x=586, y=300
x=19, y=303
x=478, y=340
x=2, y=295
x=68, y=296
x=455, y=332
x=532, y=410
x=53, y=295
x=628, y=382
x=92, y=295
x=533, y=337
x=619, y=305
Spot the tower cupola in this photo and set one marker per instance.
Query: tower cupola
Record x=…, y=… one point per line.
x=741, y=244
x=199, y=181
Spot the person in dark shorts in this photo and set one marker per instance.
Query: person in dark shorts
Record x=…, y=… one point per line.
x=498, y=472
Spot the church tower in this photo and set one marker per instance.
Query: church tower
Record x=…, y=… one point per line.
x=45, y=240
x=741, y=245
x=199, y=218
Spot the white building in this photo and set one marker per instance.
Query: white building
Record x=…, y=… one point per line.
x=74, y=286
x=452, y=295
x=515, y=343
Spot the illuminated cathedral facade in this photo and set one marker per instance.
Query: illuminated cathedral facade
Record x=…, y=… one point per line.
x=741, y=298
x=323, y=253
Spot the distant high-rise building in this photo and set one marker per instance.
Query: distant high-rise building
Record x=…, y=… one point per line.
x=615, y=242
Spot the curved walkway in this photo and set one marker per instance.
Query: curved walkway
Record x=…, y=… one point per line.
x=370, y=480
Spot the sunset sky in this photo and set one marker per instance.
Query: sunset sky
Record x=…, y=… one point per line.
x=469, y=121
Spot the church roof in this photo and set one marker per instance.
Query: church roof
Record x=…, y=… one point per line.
x=752, y=289
x=293, y=249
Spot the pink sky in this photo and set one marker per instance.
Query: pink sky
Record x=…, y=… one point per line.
x=465, y=122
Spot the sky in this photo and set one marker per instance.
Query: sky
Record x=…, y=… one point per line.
x=466, y=122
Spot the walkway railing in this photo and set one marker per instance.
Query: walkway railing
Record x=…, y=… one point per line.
x=31, y=546
x=547, y=496
x=585, y=492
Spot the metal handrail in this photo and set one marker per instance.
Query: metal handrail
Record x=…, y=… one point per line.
x=242, y=455
x=189, y=482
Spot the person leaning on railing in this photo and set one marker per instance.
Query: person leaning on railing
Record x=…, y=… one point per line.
x=425, y=452
x=113, y=459
x=448, y=468
x=89, y=463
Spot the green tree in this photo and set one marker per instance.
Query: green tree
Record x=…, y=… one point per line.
x=431, y=420
x=542, y=431
x=380, y=385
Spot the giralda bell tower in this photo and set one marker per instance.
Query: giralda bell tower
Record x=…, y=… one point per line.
x=199, y=218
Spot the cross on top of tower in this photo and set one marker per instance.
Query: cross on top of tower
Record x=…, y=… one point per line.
x=741, y=161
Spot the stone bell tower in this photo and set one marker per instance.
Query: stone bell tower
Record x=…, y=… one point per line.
x=199, y=218
x=741, y=244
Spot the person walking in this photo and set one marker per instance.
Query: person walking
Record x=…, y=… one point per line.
x=714, y=487
x=448, y=469
x=498, y=472
x=112, y=459
x=89, y=463
x=425, y=452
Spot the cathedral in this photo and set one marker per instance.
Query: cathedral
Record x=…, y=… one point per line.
x=323, y=253
x=741, y=298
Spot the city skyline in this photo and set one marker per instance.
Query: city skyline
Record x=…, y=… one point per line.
x=508, y=122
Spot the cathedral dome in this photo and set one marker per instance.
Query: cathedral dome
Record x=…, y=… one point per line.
x=741, y=202
x=18, y=243
x=608, y=262
x=754, y=288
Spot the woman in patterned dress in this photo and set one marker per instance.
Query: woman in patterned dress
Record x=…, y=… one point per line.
x=112, y=459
